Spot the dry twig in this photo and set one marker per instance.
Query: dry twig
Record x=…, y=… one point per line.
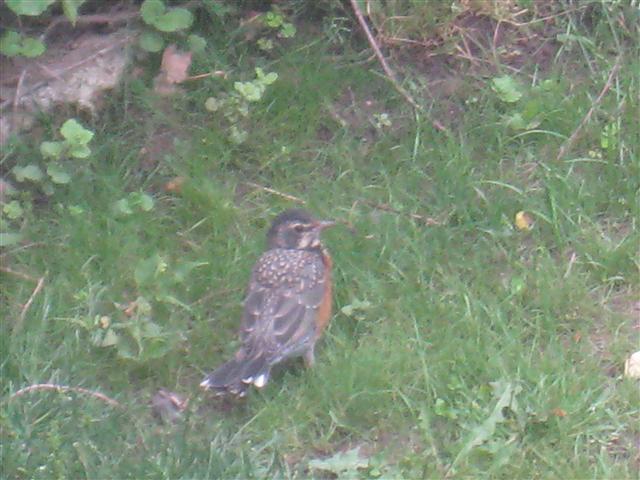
x=387, y=70
x=276, y=192
x=21, y=275
x=16, y=97
x=64, y=389
x=566, y=146
x=25, y=308
x=388, y=208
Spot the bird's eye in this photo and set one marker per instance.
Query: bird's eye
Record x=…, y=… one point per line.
x=298, y=228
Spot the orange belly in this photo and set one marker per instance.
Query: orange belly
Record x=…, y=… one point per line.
x=324, y=312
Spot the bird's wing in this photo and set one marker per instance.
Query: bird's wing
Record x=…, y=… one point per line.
x=280, y=314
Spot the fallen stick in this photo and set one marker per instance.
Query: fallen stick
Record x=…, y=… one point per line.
x=276, y=192
x=566, y=146
x=376, y=49
x=64, y=389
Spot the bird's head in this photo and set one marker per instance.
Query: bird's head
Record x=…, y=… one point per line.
x=296, y=229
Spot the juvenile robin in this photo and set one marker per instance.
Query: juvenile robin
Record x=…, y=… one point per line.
x=287, y=306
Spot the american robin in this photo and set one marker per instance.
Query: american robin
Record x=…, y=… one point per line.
x=287, y=306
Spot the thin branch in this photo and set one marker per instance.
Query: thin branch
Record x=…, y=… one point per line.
x=387, y=70
x=21, y=275
x=64, y=389
x=16, y=97
x=387, y=208
x=276, y=192
x=35, y=292
x=566, y=146
x=217, y=73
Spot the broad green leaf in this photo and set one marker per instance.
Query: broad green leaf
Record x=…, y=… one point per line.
x=516, y=122
x=9, y=238
x=75, y=210
x=70, y=9
x=51, y=149
x=182, y=270
x=355, y=306
x=79, y=151
x=75, y=133
x=249, y=90
x=197, y=44
x=265, y=44
x=146, y=202
x=31, y=8
x=273, y=20
x=122, y=207
x=149, y=269
x=141, y=200
x=32, y=47
x=58, y=174
x=174, y=20
x=507, y=88
x=152, y=10
x=341, y=464
x=11, y=44
x=270, y=78
x=13, y=210
x=109, y=339
x=212, y=104
x=237, y=135
x=30, y=172
x=151, y=42
x=288, y=30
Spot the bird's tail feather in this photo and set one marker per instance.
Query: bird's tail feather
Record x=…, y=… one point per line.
x=237, y=374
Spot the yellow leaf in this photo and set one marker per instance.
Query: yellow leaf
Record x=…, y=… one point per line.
x=524, y=221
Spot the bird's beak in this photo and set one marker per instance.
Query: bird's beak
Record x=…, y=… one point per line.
x=322, y=224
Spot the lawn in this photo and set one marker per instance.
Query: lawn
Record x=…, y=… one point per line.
x=464, y=343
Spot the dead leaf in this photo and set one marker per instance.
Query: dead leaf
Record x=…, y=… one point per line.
x=173, y=70
x=632, y=366
x=174, y=185
x=524, y=221
x=175, y=64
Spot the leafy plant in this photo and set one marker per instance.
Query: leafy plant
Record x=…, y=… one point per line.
x=276, y=24
x=52, y=172
x=134, y=335
x=29, y=8
x=166, y=21
x=235, y=105
x=528, y=107
x=507, y=89
x=158, y=280
x=14, y=44
x=135, y=201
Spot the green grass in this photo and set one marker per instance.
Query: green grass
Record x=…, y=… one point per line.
x=474, y=356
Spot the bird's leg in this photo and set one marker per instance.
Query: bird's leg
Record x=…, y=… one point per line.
x=309, y=357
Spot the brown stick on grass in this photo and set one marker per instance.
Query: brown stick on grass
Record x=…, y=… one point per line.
x=566, y=146
x=63, y=389
x=376, y=49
